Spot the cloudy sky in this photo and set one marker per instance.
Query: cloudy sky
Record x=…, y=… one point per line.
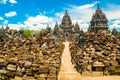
x=36, y=14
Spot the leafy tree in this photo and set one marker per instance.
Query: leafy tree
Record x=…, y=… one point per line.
x=119, y=33
x=109, y=31
x=27, y=33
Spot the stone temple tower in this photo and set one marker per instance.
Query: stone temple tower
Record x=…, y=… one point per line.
x=66, y=25
x=98, y=23
x=66, y=29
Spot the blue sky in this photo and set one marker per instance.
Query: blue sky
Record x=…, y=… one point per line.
x=36, y=14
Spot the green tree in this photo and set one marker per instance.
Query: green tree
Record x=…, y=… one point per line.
x=109, y=31
x=27, y=33
x=119, y=33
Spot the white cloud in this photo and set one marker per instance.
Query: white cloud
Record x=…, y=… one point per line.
x=3, y=1
x=113, y=14
x=33, y=23
x=86, y=6
x=10, y=14
x=47, y=12
x=12, y=1
x=39, y=19
x=112, y=11
x=115, y=23
x=1, y=18
x=38, y=22
x=5, y=22
x=59, y=15
x=18, y=26
x=84, y=13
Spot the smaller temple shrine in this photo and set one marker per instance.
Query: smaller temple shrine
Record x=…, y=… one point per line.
x=114, y=32
x=67, y=29
x=7, y=32
x=48, y=29
x=98, y=23
x=76, y=29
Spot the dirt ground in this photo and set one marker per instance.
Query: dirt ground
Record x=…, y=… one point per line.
x=68, y=72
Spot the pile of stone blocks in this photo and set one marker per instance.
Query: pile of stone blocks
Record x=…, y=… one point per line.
x=34, y=58
x=102, y=49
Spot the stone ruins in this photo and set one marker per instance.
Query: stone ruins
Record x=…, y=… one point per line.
x=93, y=53
x=98, y=22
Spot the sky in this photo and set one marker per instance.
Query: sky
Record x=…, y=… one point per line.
x=36, y=14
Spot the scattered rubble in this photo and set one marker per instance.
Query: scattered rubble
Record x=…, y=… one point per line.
x=34, y=58
x=100, y=53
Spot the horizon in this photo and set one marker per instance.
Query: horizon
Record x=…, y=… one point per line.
x=37, y=14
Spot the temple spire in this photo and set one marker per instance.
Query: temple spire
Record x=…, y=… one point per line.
x=56, y=28
x=98, y=5
x=76, y=24
x=48, y=29
x=66, y=11
x=2, y=26
x=47, y=25
x=56, y=23
x=7, y=27
x=66, y=21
